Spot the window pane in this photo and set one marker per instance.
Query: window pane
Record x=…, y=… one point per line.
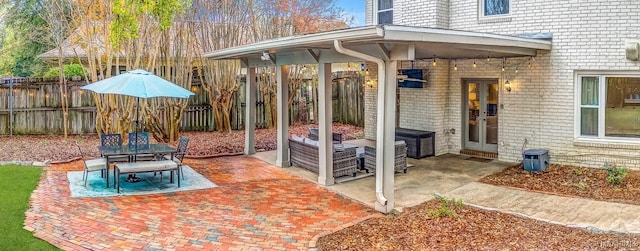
x=385, y=17
x=496, y=7
x=385, y=4
x=589, y=91
x=623, y=92
x=622, y=113
x=589, y=121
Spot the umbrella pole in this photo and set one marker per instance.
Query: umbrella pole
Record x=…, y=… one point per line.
x=137, y=111
x=135, y=142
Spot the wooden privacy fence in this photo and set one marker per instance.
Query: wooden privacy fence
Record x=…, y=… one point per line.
x=348, y=98
x=37, y=106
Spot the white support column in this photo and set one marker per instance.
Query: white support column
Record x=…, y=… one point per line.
x=385, y=148
x=250, y=113
x=325, y=119
x=390, y=134
x=282, y=76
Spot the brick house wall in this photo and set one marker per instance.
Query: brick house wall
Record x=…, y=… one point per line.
x=588, y=35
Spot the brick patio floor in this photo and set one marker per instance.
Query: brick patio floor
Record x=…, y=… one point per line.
x=257, y=207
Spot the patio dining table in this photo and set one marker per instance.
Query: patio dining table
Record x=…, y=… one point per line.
x=155, y=149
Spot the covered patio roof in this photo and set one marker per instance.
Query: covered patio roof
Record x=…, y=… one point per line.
x=391, y=42
x=384, y=45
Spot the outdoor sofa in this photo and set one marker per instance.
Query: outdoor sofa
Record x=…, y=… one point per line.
x=336, y=137
x=304, y=153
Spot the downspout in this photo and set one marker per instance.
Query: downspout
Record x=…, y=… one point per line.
x=380, y=119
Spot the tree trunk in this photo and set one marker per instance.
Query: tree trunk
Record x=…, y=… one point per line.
x=63, y=94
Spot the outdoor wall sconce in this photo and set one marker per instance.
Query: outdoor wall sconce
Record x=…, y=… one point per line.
x=507, y=86
x=370, y=83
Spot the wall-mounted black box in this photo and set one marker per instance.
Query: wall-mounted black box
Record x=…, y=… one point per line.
x=420, y=144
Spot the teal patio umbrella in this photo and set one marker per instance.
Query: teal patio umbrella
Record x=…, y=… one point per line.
x=140, y=84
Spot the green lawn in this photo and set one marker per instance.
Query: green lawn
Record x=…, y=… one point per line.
x=16, y=185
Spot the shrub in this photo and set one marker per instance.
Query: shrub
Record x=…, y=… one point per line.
x=582, y=185
x=578, y=171
x=447, y=208
x=51, y=73
x=615, y=174
x=73, y=70
x=70, y=70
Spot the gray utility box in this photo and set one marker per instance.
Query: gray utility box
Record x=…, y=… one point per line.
x=535, y=159
x=420, y=144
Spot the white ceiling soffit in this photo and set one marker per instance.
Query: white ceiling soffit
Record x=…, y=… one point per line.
x=396, y=42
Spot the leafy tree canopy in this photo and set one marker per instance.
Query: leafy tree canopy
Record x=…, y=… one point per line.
x=127, y=13
x=22, y=30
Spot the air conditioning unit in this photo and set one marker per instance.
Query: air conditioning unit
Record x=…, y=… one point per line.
x=633, y=50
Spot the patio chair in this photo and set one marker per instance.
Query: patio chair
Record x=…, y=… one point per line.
x=113, y=140
x=140, y=141
x=400, y=159
x=91, y=165
x=183, y=142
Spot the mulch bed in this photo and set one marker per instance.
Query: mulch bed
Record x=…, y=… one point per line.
x=469, y=229
x=569, y=180
x=473, y=228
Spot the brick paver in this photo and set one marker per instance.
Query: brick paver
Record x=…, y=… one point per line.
x=257, y=207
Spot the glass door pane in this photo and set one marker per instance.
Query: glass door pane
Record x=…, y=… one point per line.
x=491, y=136
x=474, y=113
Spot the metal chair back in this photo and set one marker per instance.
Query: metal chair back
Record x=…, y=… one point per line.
x=141, y=139
x=111, y=140
x=80, y=150
x=183, y=142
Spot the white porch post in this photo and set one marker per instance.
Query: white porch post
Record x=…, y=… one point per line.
x=325, y=119
x=282, y=76
x=250, y=113
x=385, y=148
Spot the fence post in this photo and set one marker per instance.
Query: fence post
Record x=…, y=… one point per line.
x=11, y=106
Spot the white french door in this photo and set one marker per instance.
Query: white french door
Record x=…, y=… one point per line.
x=480, y=123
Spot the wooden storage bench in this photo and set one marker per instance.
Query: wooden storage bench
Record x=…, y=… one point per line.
x=145, y=167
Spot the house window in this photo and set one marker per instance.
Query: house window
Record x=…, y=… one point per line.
x=385, y=11
x=489, y=8
x=609, y=106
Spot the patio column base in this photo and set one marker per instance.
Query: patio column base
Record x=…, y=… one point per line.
x=326, y=182
x=281, y=163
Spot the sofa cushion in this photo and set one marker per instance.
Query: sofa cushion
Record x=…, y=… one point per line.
x=310, y=142
x=297, y=138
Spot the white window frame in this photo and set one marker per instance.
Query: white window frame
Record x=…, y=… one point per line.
x=602, y=99
x=377, y=12
x=481, y=11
